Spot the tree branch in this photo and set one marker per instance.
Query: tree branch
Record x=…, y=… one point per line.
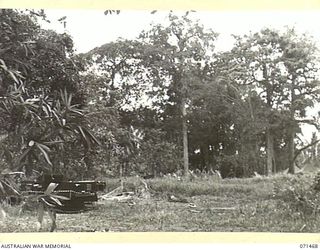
x=304, y=148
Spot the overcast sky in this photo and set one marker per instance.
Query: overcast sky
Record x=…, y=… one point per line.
x=91, y=28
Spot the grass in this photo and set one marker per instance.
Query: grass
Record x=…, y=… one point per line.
x=250, y=207
x=211, y=187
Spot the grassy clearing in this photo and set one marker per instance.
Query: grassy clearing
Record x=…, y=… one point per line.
x=249, y=205
x=213, y=187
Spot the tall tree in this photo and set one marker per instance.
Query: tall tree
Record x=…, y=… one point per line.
x=271, y=62
x=301, y=85
x=173, y=54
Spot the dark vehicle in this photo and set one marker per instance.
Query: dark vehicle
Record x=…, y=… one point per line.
x=72, y=196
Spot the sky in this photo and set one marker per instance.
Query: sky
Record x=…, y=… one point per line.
x=91, y=28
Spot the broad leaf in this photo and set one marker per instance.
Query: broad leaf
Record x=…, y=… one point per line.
x=57, y=201
x=51, y=187
x=42, y=199
x=44, y=150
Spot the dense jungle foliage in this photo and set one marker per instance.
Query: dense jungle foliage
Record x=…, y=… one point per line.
x=165, y=102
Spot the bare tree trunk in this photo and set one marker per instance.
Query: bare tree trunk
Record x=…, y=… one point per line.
x=291, y=150
x=270, y=153
x=291, y=146
x=269, y=135
x=185, y=137
x=205, y=161
x=291, y=130
x=314, y=148
x=256, y=146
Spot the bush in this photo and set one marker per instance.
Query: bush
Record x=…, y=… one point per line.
x=298, y=195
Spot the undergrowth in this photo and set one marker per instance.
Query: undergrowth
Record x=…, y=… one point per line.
x=298, y=198
x=210, y=186
x=282, y=203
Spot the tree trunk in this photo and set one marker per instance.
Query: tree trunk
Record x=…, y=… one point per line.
x=291, y=129
x=291, y=146
x=204, y=150
x=121, y=170
x=185, y=137
x=291, y=150
x=270, y=138
x=255, y=145
x=270, y=153
x=202, y=162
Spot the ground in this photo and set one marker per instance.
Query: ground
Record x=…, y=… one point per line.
x=210, y=204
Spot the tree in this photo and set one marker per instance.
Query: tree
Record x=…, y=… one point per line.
x=173, y=55
x=299, y=56
x=116, y=63
x=281, y=66
x=40, y=93
x=158, y=68
x=157, y=155
x=114, y=92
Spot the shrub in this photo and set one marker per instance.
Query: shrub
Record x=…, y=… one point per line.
x=298, y=194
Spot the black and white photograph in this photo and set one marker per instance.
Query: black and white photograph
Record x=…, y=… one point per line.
x=115, y=120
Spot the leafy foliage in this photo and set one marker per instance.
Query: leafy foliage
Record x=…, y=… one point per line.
x=238, y=111
x=300, y=195
x=40, y=102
